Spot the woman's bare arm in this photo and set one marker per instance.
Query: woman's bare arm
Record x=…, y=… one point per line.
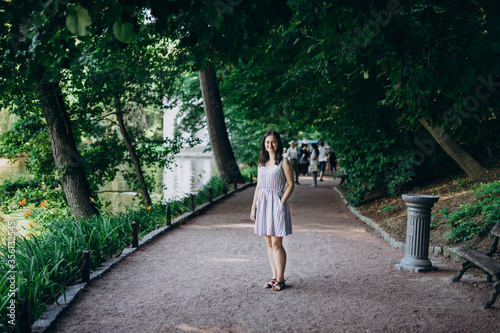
x=287, y=169
x=254, y=204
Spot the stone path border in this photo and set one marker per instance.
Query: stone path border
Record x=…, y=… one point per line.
x=53, y=311
x=445, y=251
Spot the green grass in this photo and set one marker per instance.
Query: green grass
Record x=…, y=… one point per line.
x=388, y=208
x=49, y=259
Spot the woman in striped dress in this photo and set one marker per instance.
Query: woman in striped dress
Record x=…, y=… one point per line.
x=270, y=209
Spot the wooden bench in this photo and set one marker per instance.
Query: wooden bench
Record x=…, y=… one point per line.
x=484, y=262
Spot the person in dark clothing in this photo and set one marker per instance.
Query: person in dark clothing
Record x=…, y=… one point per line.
x=333, y=161
x=303, y=159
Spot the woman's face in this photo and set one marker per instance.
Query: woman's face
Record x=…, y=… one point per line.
x=271, y=144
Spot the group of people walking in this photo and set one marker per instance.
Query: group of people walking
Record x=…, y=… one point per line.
x=305, y=161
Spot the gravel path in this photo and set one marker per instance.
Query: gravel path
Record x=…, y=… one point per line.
x=207, y=276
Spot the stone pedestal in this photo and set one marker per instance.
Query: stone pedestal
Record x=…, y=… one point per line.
x=417, y=233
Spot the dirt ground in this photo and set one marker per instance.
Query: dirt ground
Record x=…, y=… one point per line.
x=207, y=276
x=454, y=192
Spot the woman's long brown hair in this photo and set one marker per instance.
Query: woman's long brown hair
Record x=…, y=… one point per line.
x=264, y=155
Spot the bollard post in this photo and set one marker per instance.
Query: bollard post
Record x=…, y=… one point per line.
x=86, y=266
x=191, y=200
x=169, y=217
x=24, y=318
x=417, y=233
x=135, y=234
x=224, y=188
x=210, y=194
x=235, y=184
x=251, y=178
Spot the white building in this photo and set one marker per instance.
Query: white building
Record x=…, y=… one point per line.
x=194, y=166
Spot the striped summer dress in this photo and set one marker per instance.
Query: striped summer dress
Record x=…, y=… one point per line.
x=272, y=218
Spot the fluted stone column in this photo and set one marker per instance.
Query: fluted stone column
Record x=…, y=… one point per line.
x=417, y=233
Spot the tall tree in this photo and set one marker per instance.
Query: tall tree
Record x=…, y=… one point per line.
x=31, y=42
x=66, y=156
x=223, y=153
x=143, y=79
x=217, y=34
x=126, y=80
x=143, y=188
x=466, y=162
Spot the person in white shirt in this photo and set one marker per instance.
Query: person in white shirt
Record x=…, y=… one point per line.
x=322, y=160
x=291, y=154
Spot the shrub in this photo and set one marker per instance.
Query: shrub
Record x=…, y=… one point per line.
x=476, y=218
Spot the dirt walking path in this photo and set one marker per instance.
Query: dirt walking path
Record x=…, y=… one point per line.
x=207, y=276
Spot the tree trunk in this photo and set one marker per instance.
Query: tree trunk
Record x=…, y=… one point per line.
x=226, y=164
x=143, y=188
x=464, y=160
x=66, y=157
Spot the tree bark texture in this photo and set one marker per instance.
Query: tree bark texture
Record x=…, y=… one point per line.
x=464, y=160
x=226, y=164
x=143, y=188
x=66, y=157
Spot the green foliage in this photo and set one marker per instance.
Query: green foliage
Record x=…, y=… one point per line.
x=139, y=75
x=32, y=191
x=95, y=73
x=247, y=171
x=216, y=184
x=373, y=166
x=77, y=20
x=155, y=155
x=124, y=32
x=388, y=208
x=48, y=260
x=435, y=223
x=372, y=149
x=28, y=137
x=190, y=104
x=289, y=89
x=422, y=62
x=475, y=218
x=301, y=65
x=445, y=211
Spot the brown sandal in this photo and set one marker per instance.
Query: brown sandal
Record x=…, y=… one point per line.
x=278, y=286
x=270, y=284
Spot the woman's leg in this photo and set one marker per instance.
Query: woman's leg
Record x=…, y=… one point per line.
x=315, y=175
x=279, y=257
x=270, y=254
